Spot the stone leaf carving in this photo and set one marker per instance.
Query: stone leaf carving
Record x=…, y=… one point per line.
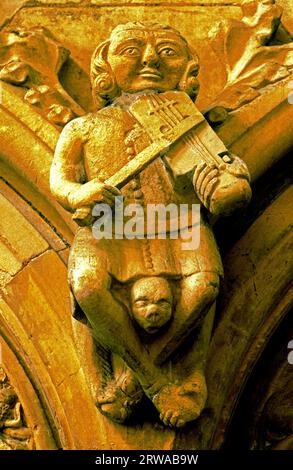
x=14, y=434
x=32, y=60
x=257, y=51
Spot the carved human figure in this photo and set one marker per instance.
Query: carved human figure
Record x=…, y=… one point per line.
x=151, y=303
x=139, y=66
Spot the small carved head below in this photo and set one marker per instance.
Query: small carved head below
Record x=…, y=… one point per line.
x=151, y=303
x=143, y=56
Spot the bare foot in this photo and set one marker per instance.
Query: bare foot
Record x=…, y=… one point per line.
x=179, y=404
x=118, y=400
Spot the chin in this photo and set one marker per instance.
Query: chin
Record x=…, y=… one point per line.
x=145, y=84
x=152, y=330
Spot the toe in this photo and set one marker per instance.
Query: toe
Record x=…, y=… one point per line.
x=174, y=419
x=168, y=417
x=164, y=419
x=180, y=423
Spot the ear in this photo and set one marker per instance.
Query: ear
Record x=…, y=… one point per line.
x=189, y=83
x=103, y=80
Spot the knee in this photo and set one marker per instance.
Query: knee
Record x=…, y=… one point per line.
x=204, y=286
x=212, y=282
x=87, y=284
x=210, y=287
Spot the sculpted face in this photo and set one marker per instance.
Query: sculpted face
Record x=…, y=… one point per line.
x=151, y=300
x=147, y=60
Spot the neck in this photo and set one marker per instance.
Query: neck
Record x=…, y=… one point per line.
x=126, y=99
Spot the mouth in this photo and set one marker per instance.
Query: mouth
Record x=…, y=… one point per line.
x=152, y=329
x=149, y=73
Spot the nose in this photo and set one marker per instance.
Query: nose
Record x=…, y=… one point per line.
x=150, y=56
x=152, y=311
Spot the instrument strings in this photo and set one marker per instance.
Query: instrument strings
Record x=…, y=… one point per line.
x=171, y=116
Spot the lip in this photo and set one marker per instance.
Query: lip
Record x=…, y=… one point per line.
x=146, y=73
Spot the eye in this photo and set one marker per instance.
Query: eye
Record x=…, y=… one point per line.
x=131, y=51
x=167, y=52
x=141, y=303
x=163, y=303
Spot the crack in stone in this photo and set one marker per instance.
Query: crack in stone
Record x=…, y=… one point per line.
x=24, y=264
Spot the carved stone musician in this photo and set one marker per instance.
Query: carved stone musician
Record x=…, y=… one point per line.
x=148, y=140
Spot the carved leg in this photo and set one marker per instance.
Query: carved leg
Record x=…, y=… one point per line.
x=94, y=358
x=177, y=404
x=113, y=329
x=197, y=293
x=121, y=396
x=191, y=392
x=109, y=320
x=117, y=392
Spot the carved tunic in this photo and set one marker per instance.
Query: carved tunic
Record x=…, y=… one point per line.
x=112, y=137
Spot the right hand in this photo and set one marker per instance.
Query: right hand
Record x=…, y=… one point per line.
x=104, y=193
x=94, y=192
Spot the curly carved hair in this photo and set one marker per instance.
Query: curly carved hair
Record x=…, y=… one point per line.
x=104, y=85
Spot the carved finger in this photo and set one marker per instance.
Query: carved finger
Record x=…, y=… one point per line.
x=109, y=194
x=209, y=190
x=205, y=187
x=197, y=172
x=108, y=198
x=112, y=189
x=211, y=175
x=202, y=177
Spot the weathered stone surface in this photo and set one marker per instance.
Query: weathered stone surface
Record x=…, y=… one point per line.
x=258, y=275
x=94, y=25
x=19, y=242
x=42, y=348
x=14, y=433
x=47, y=348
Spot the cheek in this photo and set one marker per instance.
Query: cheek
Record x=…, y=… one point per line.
x=124, y=69
x=165, y=312
x=176, y=67
x=138, y=313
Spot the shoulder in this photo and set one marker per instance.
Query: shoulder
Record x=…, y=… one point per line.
x=82, y=126
x=105, y=116
x=79, y=126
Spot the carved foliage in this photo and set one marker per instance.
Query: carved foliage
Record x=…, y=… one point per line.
x=257, y=51
x=32, y=60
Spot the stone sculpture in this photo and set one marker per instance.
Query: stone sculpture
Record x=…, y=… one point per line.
x=14, y=435
x=148, y=300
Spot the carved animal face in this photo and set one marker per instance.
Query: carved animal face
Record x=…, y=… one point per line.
x=151, y=300
x=147, y=59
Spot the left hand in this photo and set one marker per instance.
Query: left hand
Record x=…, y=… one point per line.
x=206, y=176
x=205, y=179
